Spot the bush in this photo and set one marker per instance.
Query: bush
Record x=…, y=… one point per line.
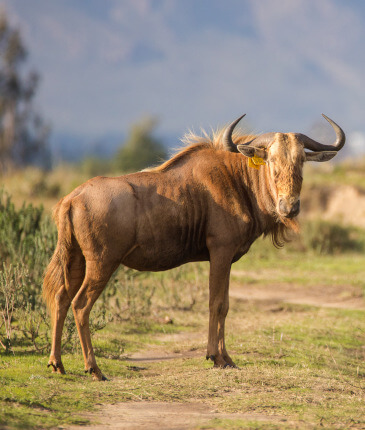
x=93, y=166
x=330, y=238
x=141, y=149
x=28, y=238
x=127, y=297
x=133, y=295
x=12, y=286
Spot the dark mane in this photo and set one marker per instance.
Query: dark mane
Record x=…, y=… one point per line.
x=282, y=232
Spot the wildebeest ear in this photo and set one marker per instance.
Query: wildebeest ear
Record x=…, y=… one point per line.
x=251, y=151
x=320, y=156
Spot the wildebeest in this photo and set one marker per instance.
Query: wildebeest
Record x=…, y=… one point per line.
x=209, y=202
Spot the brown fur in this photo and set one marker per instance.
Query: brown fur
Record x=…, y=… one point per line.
x=202, y=204
x=280, y=231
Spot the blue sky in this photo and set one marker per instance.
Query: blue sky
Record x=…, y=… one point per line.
x=196, y=63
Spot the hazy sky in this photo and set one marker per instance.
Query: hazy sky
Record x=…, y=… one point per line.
x=196, y=63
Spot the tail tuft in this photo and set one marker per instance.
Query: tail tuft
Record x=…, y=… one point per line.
x=56, y=274
x=53, y=280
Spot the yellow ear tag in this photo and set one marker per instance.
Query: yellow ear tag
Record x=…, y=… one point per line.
x=256, y=162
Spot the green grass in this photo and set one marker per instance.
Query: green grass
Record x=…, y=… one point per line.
x=232, y=424
x=47, y=188
x=301, y=366
x=32, y=396
x=348, y=172
x=265, y=265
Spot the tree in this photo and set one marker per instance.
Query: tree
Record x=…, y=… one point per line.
x=23, y=133
x=141, y=149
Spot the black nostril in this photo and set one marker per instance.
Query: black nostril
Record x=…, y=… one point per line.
x=295, y=209
x=287, y=210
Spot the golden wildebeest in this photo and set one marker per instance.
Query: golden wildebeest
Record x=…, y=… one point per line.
x=209, y=202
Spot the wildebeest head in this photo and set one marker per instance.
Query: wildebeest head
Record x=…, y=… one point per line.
x=284, y=154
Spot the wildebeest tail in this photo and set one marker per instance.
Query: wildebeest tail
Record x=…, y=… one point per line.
x=56, y=274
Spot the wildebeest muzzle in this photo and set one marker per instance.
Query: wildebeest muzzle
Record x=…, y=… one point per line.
x=289, y=209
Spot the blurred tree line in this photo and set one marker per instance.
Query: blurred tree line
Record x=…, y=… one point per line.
x=140, y=150
x=24, y=135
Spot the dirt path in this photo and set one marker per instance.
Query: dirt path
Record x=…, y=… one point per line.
x=330, y=297
x=183, y=416
x=327, y=297
x=166, y=416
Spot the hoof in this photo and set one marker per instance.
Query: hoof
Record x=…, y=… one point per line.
x=96, y=374
x=56, y=367
x=230, y=366
x=222, y=362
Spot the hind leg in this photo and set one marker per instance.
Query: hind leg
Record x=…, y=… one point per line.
x=59, y=311
x=96, y=278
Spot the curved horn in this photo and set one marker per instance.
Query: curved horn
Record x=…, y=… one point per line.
x=313, y=145
x=227, y=136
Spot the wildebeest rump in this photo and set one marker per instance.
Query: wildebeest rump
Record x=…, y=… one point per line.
x=209, y=202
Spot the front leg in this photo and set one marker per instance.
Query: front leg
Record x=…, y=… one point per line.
x=220, y=268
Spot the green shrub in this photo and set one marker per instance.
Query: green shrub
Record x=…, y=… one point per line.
x=12, y=285
x=134, y=296
x=326, y=237
x=93, y=166
x=28, y=238
x=127, y=296
x=182, y=287
x=141, y=148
